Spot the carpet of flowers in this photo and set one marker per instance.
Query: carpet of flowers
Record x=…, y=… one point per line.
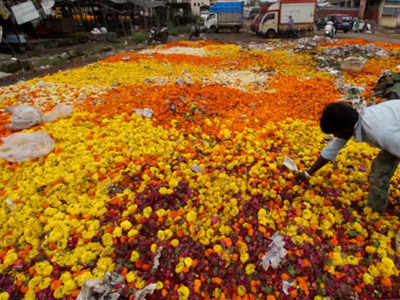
x=201, y=184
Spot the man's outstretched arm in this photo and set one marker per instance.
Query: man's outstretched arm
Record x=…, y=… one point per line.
x=319, y=163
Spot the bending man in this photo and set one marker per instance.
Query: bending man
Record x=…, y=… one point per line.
x=377, y=125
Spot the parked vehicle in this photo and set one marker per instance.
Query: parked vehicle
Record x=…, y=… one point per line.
x=204, y=12
x=256, y=22
x=276, y=19
x=330, y=29
x=254, y=13
x=342, y=22
x=159, y=34
x=250, y=12
x=204, y=15
x=225, y=15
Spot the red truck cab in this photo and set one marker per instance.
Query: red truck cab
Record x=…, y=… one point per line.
x=257, y=20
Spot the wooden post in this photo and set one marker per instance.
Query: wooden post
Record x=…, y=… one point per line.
x=363, y=6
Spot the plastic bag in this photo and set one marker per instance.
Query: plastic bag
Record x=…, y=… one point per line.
x=148, y=290
x=59, y=111
x=145, y=112
x=290, y=164
x=276, y=252
x=11, y=204
x=24, y=116
x=286, y=285
x=108, y=289
x=23, y=146
x=157, y=260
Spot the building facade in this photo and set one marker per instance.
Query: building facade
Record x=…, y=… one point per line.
x=385, y=13
x=389, y=13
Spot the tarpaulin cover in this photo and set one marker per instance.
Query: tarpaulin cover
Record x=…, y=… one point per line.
x=228, y=7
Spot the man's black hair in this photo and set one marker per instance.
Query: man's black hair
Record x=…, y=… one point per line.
x=338, y=117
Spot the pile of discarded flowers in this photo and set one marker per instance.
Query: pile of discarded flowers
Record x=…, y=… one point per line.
x=170, y=173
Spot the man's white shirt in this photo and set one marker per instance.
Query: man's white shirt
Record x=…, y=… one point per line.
x=378, y=125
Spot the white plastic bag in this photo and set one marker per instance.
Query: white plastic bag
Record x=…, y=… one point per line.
x=59, y=111
x=276, y=252
x=148, y=290
x=24, y=116
x=23, y=146
x=286, y=285
x=145, y=112
x=290, y=164
x=108, y=289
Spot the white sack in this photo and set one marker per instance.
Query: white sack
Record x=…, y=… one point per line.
x=59, y=111
x=24, y=116
x=23, y=146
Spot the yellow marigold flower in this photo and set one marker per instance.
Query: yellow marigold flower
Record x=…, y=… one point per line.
x=188, y=262
x=241, y=290
x=191, y=216
x=159, y=285
x=126, y=225
x=373, y=271
x=4, y=296
x=134, y=256
x=133, y=232
x=175, y=243
x=320, y=298
x=179, y=267
x=217, y=248
x=117, y=232
x=107, y=239
x=147, y=211
x=217, y=293
x=65, y=276
x=161, y=235
x=161, y=212
x=244, y=257
x=43, y=268
x=368, y=279
x=131, y=276
x=163, y=190
x=34, y=282
x=59, y=293
x=80, y=279
x=30, y=295
x=10, y=258
x=183, y=292
x=250, y=269
x=370, y=249
x=168, y=233
x=69, y=286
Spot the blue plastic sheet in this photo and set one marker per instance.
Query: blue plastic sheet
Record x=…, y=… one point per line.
x=227, y=7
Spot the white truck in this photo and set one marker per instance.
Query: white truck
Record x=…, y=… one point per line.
x=225, y=15
x=275, y=20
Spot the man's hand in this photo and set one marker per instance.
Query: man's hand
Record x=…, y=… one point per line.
x=303, y=177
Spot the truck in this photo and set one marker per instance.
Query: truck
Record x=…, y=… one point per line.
x=225, y=15
x=275, y=18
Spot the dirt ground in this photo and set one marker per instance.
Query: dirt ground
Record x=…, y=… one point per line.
x=92, y=51
x=250, y=36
